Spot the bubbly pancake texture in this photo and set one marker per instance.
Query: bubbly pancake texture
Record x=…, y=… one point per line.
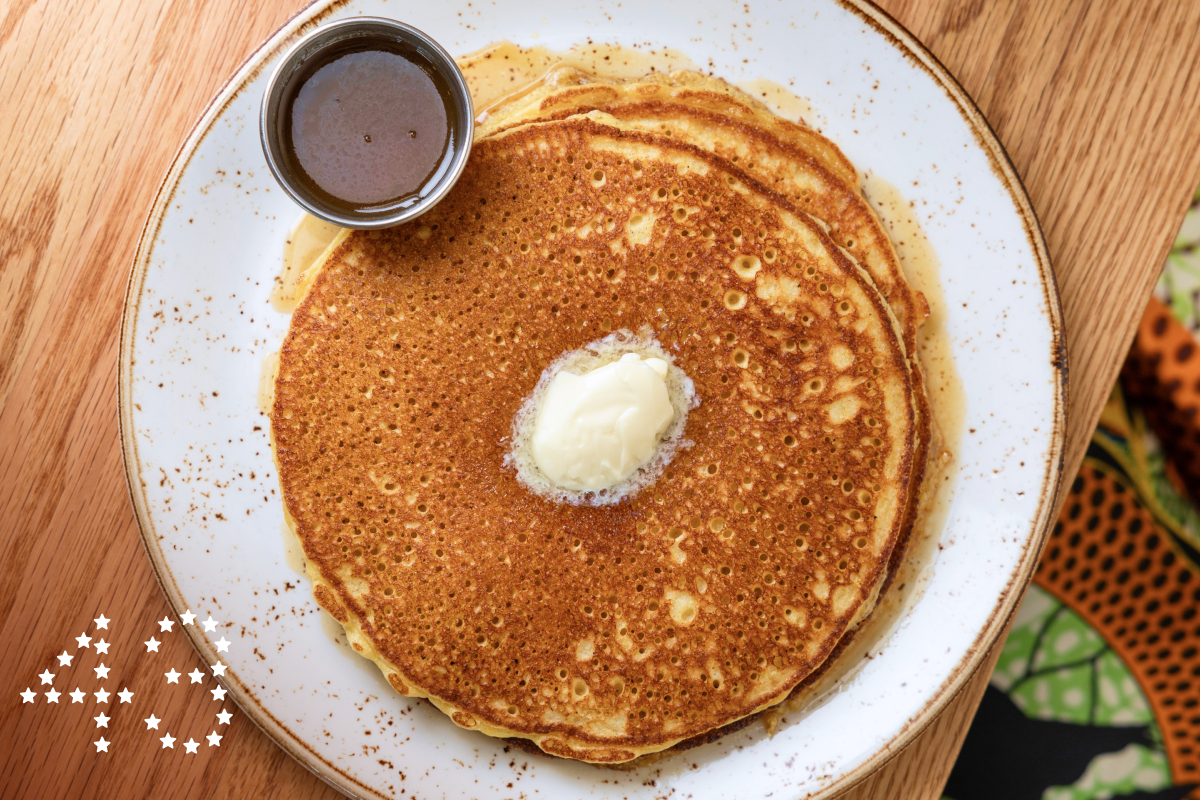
x=598, y=633
x=789, y=158
x=680, y=390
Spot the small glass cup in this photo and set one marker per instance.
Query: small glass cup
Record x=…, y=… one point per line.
x=315, y=45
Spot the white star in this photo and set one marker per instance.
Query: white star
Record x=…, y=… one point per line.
x=102, y=721
x=28, y=696
x=52, y=696
x=214, y=739
x=222, y=645
x=101, y=671
x=46, y=677
x=152, y=722
x=77, y=696
x=126, y=696
x=83, y=639
x=218, y=668
x=102, y=647
x=224, y=716
x=172, y=676
x=102, y=622
x=102, y=746
x=196, y=675
x=65, y=659
x=165, y=624
x=152, y=645
x=188, y=617
x=101, y=696
x=219, y=694
x=168, y=741
x=210, y=624
x=191, y=746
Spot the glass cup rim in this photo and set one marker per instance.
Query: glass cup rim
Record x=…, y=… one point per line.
x=334, y=33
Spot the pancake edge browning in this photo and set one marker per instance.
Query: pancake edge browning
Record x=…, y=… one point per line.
x=567, y=91
x=338, y=604
x=687, y=86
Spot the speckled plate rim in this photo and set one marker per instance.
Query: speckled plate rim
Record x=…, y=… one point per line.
x=1052, y=480
x=1049, y=489
x=286, y=35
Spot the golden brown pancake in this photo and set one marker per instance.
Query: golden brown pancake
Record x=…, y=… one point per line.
x=566, y=87
x=791, y=159
x=597, y=633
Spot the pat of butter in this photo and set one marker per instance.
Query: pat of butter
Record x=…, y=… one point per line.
x=595, y=430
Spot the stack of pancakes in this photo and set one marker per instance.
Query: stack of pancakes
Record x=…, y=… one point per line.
x=672, y=207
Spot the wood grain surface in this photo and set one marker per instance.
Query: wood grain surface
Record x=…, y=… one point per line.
x=1097, y=103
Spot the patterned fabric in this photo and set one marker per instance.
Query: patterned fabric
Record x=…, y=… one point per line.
x=1097, y=691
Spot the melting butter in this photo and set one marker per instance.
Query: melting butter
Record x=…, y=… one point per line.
x=595, y=430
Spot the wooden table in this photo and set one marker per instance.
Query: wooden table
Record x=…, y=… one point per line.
x=1098, y=105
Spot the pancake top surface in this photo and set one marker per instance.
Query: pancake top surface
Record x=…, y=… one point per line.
x=600, y=633
x=790, y=159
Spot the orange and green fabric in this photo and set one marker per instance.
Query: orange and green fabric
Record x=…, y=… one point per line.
x=1096, y=695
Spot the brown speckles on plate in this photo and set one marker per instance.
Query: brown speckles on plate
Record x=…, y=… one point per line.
x=307, y=703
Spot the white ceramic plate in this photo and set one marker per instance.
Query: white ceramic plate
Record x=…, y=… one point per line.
x=197, y=326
